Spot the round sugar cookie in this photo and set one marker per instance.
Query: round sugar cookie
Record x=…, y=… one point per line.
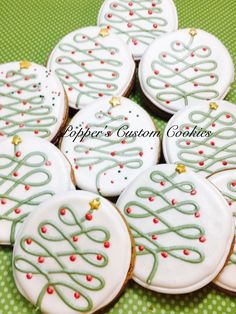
x=120, y=143
x=182, y=228
x=184, y=66
x=137, y=22
x=202, y=137
x=31, y=171
x=91, y=63
x=225, y=181
x=73, y=255
x=32, y=100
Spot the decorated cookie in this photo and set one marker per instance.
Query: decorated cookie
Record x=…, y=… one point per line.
x=225, y=181
x=91, y=63
x=31, y=171
x=185, y=66
x=180, y=238
x=137, y=22
x=202, y=137
x=109, y=143
x=73, y=255
x=32, y=100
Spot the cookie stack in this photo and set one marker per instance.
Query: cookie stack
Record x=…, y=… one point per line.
x=172, y=228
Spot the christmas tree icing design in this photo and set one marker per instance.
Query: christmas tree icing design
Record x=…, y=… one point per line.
x=23, y=107
x=154, y=203
x=19, y=192
x=209, y=154
x=185, y=71
x=108, y=151
x=96, y=67
x=129, y=17
x=74, y=287
x=230, y=196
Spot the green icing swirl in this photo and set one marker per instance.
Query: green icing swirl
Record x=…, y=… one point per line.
x=127, y=157
x=61, y=234
x=171, y=82
x=188, y=232
x=88, y=64
x=217, y=153
x=137, y=33
x=14, y=117
x=10, y=185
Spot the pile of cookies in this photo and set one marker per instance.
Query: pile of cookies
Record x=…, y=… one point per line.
x=172, y=228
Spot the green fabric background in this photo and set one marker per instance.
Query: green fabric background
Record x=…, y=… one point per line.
x=29, y=29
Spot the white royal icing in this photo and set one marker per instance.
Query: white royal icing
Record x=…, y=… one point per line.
x=139, y=22
x=69, y=258
x=32, y=101
x=30, y=172
x=203, y=154
x=90, y=65
x=181, y=242
x=179, y=68
x=225, y=181
x=107, y=164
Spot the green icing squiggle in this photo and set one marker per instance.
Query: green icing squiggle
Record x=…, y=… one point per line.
x=15, y=118
x=211, y=155
x=118, y=17
x=171, y=78
x=127, y=157
x=71, y=280
x=88, y=64
x=10, y=185
x=188, y=232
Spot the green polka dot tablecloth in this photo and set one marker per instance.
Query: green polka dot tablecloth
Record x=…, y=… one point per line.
x=29, y=29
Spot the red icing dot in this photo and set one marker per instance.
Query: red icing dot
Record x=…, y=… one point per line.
x=200, y=152
x=108, y=85
x=141, y=248
x=176, y=69
x=113, y=154
x=17, y=211
x=27, y=187
x=233, y=184
x=202, y=239
x=3, y=201
x=75, y=238
x=70, y=88
x=48, y=163
x=201, y=163
x=195, y=69
x=67, y=77
x=140, y=154
x=192, y=55
x=50, y=290
x=28, y=241
x=162, y=183
x=167, y=85
x=186, y=252
x=156, y=72
x=99, y=257
x=81, y=84
x=213, y=125
x=90, y=51
x=167, y=102
x=151, y=199
x=72, y=258
x=18, y=154
x=107, y=244
x=173, y=202
x=131, y=13
x=153, y=4
x=204, y=49
x=129, y=210
x=109, y=15
x=228, y=116
x=164, y=254
x=212, y=143
x=224, y=163
x=188, y=143
x=89, y=278
x=89, y=217
x=150, y=12
x=36, y=132
x=59, y=60
x=164, y=56
x=129, y=25
x=212, y=76
x=155, y=220
x=154, y=237
x=100, y=95
x=102, y=62
x=130, y=4
x=76, y=295
x=197, y=214
x=29, y=276
x=123, y=142
x=43, y=229
x=40, y=259
x=155, y=25
x=195, y=84
x=82, y=64
x=26, y=78
x=63, y=211
x=193, y=192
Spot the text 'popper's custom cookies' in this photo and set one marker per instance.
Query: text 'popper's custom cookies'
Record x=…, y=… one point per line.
x=73, y=255
x=138, y=22
x=212, y=146
x=91, y=62
x=109, y=143
x=32, y=100
x=31, y=171
x=183, y=67
x=182, y=237
x=225, y=181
